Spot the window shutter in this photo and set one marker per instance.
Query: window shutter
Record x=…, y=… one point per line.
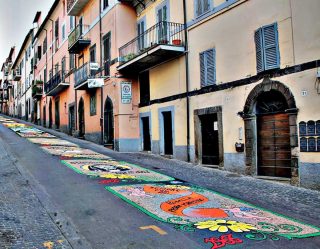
x=259, y=53
x=211, y=67
x=270, y=44
x=202, y=69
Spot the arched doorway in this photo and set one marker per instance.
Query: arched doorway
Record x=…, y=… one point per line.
x=81, y=118
x=50, y=114
x=44, y=122
x=108, y=123
x=270, y=115
x=273, y=135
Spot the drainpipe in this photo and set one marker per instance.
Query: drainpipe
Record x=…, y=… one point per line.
x=46, y=77
x=101, y=116
x=187, y=77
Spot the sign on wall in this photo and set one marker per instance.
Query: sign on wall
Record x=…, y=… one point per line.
x=126, y=92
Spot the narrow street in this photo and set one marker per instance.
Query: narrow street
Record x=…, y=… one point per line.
x=84, y=210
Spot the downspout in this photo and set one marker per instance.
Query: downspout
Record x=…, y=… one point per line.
x=101, y=64
x=45, y=121
x=187, y=77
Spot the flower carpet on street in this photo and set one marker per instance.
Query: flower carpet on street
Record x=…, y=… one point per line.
x=115, y=169
x=216, y=220
x=51, y=141
x=69, y=152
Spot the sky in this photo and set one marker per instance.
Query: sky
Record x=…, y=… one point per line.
x=16, y=17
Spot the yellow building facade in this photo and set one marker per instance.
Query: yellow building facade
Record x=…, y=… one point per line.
x=253, y=89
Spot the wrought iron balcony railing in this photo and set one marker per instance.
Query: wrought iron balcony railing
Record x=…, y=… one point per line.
x=16, y=74
x=85, y=72
x=74, y=7
x=163, y=33
x=77, y=40
x=54, y=82
x=37, y=89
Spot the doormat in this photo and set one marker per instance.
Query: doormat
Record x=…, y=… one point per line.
x=51, y=141
x=68, y=152
x=210, y=214
x=110, y=169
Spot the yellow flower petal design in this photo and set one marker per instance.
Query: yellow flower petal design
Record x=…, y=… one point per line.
x=236, y=229
x=214, y=228
x=223, y=229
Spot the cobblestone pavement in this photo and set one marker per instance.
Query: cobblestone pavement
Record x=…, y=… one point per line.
x=24, y=223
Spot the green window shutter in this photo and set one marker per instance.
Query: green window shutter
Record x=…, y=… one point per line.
x=202, y=69
x=259, y=52
x=211, y=66
x=271, y=48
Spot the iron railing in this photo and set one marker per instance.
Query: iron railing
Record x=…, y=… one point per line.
x=163, y=33
x=54, y=81
x=77, y=34
x=16, y=74
x=70, y=4
x=37, y=87
x=84, y=73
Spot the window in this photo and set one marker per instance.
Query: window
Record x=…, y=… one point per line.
x=93, y=53
x=267, y=48
x=63, y=67
x=56, y=68
x=45, y=75
x=72, y=22
x=106, y=53
x=202, y=6
x=208, y=67
x=45, y=44
x=39, y=52
x=93, y=104
x=63, y=32
x=71, y=61
x=141, y=27
x=105, y=4
x=144, y=86
x=56, y=29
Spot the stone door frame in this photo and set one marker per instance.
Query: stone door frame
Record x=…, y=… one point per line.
x=250, y=124
x=198, y=134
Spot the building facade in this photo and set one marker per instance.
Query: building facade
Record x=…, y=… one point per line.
x=229, y=84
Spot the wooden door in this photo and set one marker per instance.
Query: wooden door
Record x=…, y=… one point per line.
x=274, y=151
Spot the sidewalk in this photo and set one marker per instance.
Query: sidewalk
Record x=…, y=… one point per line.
x=298, y=203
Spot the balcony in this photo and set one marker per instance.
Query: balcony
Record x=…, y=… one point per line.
x=16, y=74
x=77, y=41
x=74, y=7
x=160, y=43
x=56, y=84
x=84, y=74
x=37, y=89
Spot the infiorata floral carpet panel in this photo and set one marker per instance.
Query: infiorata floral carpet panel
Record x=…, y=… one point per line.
x=68, y=152
x=210, y=214
x=51, y=141
x=111, y=169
